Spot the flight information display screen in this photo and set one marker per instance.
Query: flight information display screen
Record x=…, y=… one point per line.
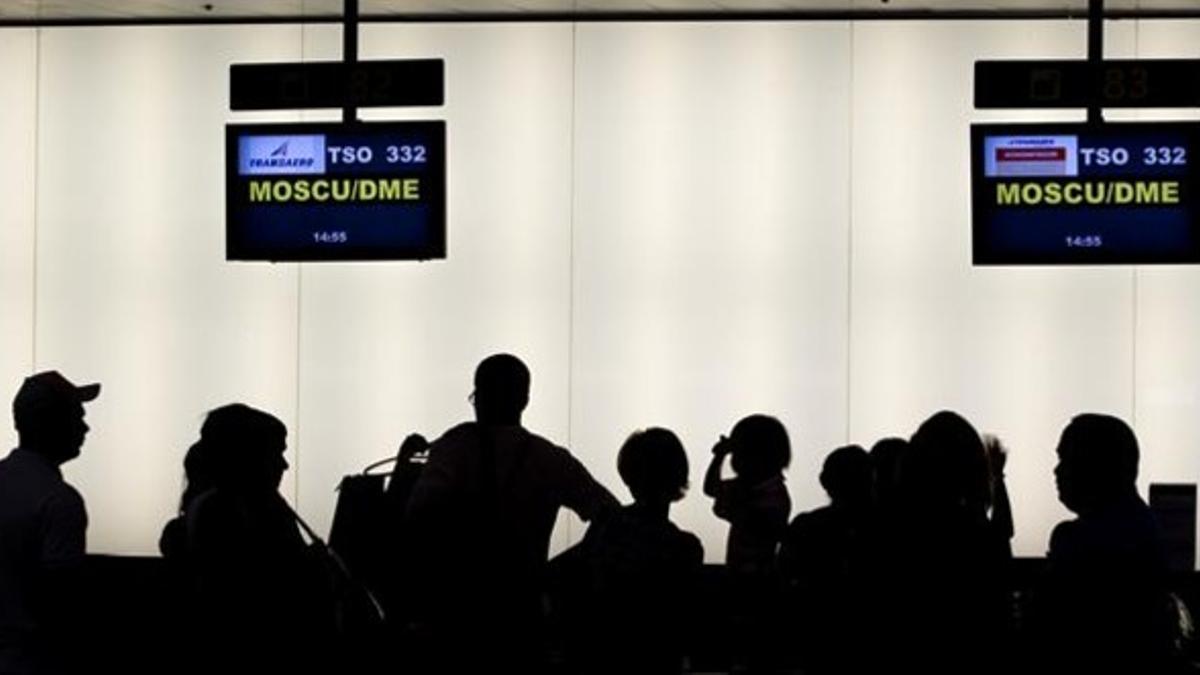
x=1120, y=193
x=330, y=191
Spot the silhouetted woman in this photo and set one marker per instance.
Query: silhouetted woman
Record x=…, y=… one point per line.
x=259, y=599
x=943, y=600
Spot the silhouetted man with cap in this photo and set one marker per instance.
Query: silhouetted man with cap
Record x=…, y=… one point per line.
x=42, y=524
x=481, y=515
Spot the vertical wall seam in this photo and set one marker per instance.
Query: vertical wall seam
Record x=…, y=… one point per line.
x=850, y=235
x=1133, y=393
x=37, y=169
x=296, y=424
x=571, y=256
x=299, y=356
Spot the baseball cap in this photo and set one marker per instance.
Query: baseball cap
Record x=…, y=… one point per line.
x=47, y=392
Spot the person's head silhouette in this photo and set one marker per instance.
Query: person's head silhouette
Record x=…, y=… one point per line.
x=1097, y=462
x=654, y=466
x=761, y=448
x=48, y=414
x=846, y=476
x=946, y=464
x=243, y=448
x=886, y=459
x=501, y=390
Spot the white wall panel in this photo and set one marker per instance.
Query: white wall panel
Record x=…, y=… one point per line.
x=18, y=135
x=1168, y=324
x=711, y=207
x=133, y=288
x=1016, y=350
x=389, y=348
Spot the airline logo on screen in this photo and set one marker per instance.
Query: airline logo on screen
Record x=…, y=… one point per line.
x=281, y=155
x=1031, y=156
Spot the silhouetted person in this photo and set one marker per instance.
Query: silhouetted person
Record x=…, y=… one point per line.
x=639, y=571
x=755, y=501
x=886, y=457
x=757, y=505
x=198, y=478
x=259, y=599
x=823, y=561
x=481, y=515
x=1103, y=606
x=1000, y=514
x=410, y=463
x=943, y=597
x=395, y=573
x=43, y=526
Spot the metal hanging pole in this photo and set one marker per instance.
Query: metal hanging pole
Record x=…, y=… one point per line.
x=350, y=49
x=1095, y=58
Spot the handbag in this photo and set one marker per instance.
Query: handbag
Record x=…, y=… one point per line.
x=360, y=522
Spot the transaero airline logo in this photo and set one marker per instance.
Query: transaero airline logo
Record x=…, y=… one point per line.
x=281, y=155
x=1044, y=156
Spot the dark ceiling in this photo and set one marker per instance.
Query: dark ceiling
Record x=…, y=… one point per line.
x=50, y=12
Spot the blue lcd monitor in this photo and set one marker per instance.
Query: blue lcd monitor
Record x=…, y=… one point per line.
x=331, y=191
x=1062, y=194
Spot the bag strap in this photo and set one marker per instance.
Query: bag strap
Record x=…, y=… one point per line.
x=375, y=465
x=338, y=564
